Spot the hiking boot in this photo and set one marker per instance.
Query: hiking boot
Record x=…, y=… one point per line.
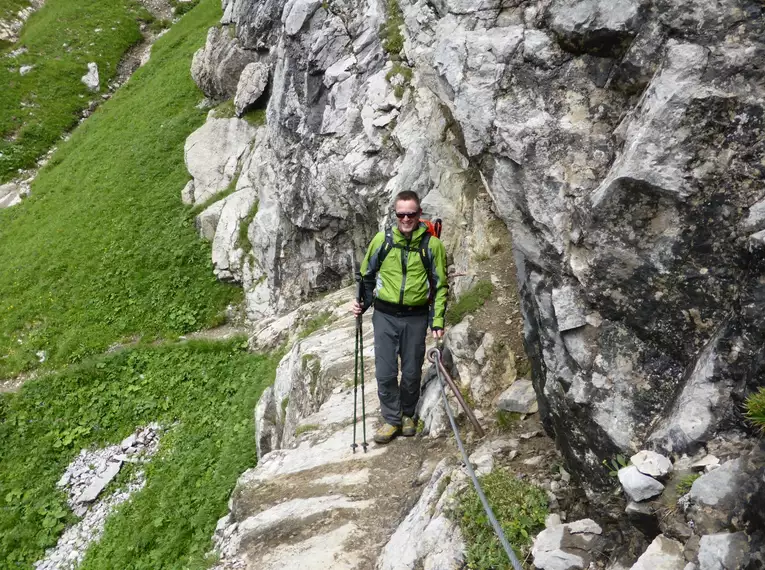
x=386, y=433
x=409, y=428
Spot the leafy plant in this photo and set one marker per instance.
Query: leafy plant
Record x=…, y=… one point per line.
x=684, y=485
x=506, y=421
x=614, y=464
x=390, y=30
x=520, y=508
x=469, y=302
x=207, y=390
x=755, y=409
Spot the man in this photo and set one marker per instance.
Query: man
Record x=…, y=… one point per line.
x=404, y=274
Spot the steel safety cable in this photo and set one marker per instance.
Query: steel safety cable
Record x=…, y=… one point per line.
x=489, y=513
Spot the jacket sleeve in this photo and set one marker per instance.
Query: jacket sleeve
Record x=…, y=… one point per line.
x=369, y=268
x=440, y=283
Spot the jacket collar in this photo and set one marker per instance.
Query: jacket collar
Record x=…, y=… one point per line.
x=418, y=232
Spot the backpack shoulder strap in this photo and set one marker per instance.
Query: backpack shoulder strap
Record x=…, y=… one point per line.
x=388, y=244
x=424, y=255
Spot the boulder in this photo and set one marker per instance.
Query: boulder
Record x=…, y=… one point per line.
x=662, y=554
x=252, y=85
x=652, y=463
x=638, y=487
x=90, y=79
x=212, y=154
x=519, y=398
x=216, y=68
x=567, y=546
x=599, y=27
x=723, y=551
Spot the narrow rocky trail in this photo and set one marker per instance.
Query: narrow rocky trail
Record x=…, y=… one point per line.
x=314, y=503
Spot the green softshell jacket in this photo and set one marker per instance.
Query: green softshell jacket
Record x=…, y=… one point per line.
x=403, y=279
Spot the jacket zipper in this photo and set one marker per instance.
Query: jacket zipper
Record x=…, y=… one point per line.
x=404, y=263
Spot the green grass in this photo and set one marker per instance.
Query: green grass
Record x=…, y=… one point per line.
x=9, y=8
x=209, y=389
x=315, y=323
x=520, y=508
x=37, y=108
x=470, y=301
x=104, y=250
x=390, y=31
x=755, y=409
x=684, y=485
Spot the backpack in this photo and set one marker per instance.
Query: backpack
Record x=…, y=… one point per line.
x=433, y=228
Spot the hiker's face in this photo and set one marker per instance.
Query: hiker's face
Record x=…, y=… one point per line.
x=406, y=224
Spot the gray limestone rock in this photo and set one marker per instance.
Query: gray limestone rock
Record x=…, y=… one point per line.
x=207, y=221
x=652, y=463
x=601, y=27
x=724, y=551
x=91, y=493
x=252, y=84
x=216, y=68
x=662, y=554
x=566, y=546
x=213, y=153
x=638, y=487
x=519, y=398
x=90, y=79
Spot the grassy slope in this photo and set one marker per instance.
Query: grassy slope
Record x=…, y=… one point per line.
x=60, y=39
x=9, y=8
x=210, y=389
x=104, y=249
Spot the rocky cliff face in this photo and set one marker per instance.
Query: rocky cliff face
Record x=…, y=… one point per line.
x=620, y=141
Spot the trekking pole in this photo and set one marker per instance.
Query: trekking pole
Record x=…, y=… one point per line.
x=360, y=365
x=355, y=384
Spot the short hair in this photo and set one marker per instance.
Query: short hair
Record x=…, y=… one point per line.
x=407, y=195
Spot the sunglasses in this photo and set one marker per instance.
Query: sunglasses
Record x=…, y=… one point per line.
x=410, y=215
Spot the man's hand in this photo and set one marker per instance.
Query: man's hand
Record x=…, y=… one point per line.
x=438, y=334
x=356, y=308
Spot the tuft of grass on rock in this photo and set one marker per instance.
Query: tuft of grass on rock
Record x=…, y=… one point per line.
x=469, y=302
x=315, y=323
x=684, y=485
x=520, y=508
x=755, y=409
x=390, y=31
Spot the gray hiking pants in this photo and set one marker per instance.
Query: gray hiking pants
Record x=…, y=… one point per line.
x=396, y=336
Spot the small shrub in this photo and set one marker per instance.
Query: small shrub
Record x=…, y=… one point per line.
x=183, y=7
x=256, y=117
x=390, y=31
x=474, y=298
x=520, y=508
x=615, y=464
x=755, y=409
x=684, y=485
x=506, y=421
x=157, y=26
x=242, y=240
